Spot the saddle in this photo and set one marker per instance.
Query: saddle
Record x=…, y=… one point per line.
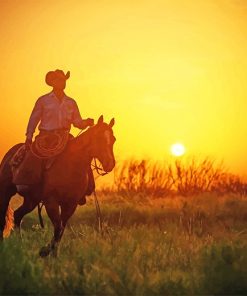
x=28, y=165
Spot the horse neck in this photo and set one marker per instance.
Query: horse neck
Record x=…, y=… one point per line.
x=83, y=139
x=81, y=145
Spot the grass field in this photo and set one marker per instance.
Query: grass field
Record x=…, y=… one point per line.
x=169, y=246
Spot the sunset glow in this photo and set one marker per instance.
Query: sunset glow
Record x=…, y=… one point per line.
x=166, y=70
x=123, y=142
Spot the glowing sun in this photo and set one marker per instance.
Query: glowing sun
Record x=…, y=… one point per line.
x=177, y=149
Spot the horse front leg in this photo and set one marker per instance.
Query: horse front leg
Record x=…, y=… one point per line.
x=67, y=211
x=59, y=222
x=52, y=209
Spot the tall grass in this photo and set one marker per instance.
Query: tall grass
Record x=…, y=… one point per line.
x=184, y=177
x=172, y=246
x=192, y=242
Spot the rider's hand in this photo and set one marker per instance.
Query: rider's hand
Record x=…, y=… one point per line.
x=90, y=122
x=28, y=143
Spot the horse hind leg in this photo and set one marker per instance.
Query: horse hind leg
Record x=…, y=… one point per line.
x=28, y=206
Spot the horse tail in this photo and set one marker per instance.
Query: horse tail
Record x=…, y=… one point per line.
x=9, y=222
x=7, y=190
x=6, y=213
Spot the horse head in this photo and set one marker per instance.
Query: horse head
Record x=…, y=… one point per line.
x=102, y=143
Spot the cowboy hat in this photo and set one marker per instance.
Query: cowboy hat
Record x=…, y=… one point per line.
x=57, y=74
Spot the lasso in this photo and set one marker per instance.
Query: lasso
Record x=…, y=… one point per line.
x=41, y=150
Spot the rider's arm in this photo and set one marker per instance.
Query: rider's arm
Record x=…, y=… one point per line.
x=34, y=119
x=77, y=120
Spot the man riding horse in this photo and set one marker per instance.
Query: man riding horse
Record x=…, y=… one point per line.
x=55, y=112
x=55, y=167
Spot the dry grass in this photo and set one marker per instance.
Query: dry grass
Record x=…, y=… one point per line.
x=164, y=246
x=176, y=229
x=186, y=178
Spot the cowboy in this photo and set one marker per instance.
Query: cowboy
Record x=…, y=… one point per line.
x=54, y=112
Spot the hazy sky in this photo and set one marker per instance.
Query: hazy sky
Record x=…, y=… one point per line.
x=168, y=71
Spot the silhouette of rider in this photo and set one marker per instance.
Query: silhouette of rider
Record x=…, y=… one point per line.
x=55, y=110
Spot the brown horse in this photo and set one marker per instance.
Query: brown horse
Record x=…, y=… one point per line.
x=63, y=185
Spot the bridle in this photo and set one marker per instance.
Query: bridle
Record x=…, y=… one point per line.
x=100, y=171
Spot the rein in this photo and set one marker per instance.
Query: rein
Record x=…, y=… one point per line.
x=94, y=165
x=100, y=172
x=98, y=169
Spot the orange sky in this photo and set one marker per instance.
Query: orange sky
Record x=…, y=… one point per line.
x=168, y=71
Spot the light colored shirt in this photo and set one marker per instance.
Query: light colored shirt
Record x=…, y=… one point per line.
x=52, y=114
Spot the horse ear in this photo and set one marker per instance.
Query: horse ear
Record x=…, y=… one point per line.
x=112, y=122
x=100, y=120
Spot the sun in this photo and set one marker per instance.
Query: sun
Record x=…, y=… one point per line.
x=177, y=149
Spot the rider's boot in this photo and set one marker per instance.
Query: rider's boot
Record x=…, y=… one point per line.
x=82, y=201
x=90, y=187
x=91, y=182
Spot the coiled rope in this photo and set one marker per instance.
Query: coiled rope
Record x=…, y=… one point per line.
x=47, y=145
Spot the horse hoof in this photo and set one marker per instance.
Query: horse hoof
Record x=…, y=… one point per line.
x=44, y=251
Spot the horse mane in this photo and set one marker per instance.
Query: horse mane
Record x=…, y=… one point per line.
x=82, y=139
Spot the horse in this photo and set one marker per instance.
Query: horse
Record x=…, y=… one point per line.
x=63, y=184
